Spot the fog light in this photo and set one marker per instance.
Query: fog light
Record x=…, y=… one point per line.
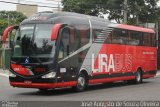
x=12, y=75
x=50, y=75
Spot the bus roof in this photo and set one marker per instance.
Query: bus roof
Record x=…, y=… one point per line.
x=135, y=28
x=48, y=16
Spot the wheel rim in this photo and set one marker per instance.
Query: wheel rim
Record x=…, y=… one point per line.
x=81, y=82
x=138, y=76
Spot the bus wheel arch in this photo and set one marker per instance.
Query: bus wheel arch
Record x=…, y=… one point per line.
x=83, y=71
x=82, y=81
x=138, y=77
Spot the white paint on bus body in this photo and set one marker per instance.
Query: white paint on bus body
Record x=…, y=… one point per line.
x=104, y=61
x=112, y=62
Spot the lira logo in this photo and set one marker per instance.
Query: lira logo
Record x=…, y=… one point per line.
x=112, y=63
x=105, y=63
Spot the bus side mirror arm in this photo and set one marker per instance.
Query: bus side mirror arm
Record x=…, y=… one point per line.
x=55, y=31
x=6, y=32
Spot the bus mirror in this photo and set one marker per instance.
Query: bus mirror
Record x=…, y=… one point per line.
x=6, y=32
x=55, y=31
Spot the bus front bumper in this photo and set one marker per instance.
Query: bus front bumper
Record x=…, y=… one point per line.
x=42, y=85
x=39, y=83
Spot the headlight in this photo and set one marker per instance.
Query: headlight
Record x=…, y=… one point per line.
x=50, y=75
x=12, y=75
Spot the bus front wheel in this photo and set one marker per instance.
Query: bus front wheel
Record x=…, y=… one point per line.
x=81, y=83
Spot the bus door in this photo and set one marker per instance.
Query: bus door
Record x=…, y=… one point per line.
x=65, y=55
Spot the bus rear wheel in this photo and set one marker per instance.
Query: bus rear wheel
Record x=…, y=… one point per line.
x=138, y=78
x=81, y=83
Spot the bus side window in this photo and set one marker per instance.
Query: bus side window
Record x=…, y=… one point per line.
x=117, y=36
x=109, y=38
x=124, y=36
x=17, y=38
x=135, y=38
x=72, y=40
x=153, y=40
x=147, y=39
x=84, y=35
x=61, y=50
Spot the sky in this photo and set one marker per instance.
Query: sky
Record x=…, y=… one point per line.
x=12, y=7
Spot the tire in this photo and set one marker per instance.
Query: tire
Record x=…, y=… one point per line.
x=82, y=83
x=138, y=78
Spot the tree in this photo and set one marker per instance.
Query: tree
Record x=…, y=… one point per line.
x=143, y=10
x=138, y=10
x=13, y=16
x=8, y=18
x=3, y=25
x=89, y=7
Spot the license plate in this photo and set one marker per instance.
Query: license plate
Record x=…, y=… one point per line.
x=28, y=82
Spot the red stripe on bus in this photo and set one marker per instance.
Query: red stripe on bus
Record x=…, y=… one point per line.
x=43, y=85
x=103, y=80
x=148, y=76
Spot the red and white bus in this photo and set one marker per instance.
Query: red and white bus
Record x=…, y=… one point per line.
x=54, y=50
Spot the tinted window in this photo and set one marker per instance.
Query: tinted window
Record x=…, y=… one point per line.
x=135, y=38
x=80, y=32
x=147, y=39
x=42, y=41
x=82, y=35
x=109, y=38
x=74, y=40
x=34, y=40
x=120, y=36
x=64, y=43
x=153, y=40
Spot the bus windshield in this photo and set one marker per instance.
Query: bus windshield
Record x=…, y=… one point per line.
x=34, y=41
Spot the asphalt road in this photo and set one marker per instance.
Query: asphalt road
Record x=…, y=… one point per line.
x=149, y=90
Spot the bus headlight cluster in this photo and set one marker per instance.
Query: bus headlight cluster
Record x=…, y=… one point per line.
x=50, y=75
